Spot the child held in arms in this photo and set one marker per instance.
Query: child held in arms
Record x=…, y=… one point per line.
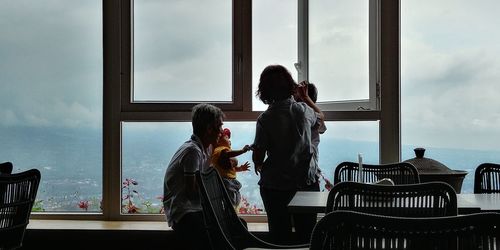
x=224, y=160
x=301, y=92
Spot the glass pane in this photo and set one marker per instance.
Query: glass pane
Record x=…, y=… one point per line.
x=450, y=76
x=148, y=147
x=51, y=98
x=343, y=141
x=274, y=39
x=182, y=50
x=338, y=49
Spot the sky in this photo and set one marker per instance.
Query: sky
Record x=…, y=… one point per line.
x=51, y=60
x=450, y=73
x=50, y=63
x=186, y=44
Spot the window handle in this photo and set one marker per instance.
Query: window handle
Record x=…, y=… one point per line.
x=240, y=64
x=298, y=67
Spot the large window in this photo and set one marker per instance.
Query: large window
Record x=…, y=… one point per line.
x=451, y=82
x=147, y=148
x=170, y=62
x=97, y=94
x=219, y=58
x=333, y=44
x=51, y=99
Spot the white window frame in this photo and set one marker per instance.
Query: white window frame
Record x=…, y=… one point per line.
x=302, y=65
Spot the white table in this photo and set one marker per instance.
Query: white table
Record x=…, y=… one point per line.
x=315, y=202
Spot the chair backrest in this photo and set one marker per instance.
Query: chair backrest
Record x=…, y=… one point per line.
x=428, y=199
x=17, y=195
x=355, y=230
x=399, y=173
x=225, y=229
x=219, y=215
x=487, y=178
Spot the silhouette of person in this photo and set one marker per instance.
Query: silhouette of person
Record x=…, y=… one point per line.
x=181, y=198
x=283, y=133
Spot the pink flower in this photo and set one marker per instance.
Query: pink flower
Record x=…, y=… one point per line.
x=242, y=210
x=132, y=209
x=83, y=205
x=328, y=185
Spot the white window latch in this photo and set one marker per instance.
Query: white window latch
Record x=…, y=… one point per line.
x=298, y=67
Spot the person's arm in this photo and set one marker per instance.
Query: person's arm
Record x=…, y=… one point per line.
x=234, y=153
x=258, y=147
x=321, y=126
x=224, y=160
x=258, y=159
x=191, y=162
x=304, y=95
x=191, y=186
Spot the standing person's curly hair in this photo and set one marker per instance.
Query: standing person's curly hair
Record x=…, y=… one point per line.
x=275, y=84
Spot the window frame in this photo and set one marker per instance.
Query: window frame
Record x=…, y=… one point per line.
x=129, y=104
x=118, y=107
x=239, y=110
x=302, y=66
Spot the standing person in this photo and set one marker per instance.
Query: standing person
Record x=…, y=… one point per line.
x=315, y=173
x=224, y=160
x=283, y=133
x=180, y=191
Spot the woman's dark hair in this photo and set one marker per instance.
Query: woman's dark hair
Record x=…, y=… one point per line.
x=275, y=84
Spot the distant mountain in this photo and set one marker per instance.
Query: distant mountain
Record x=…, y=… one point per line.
x=71, y=160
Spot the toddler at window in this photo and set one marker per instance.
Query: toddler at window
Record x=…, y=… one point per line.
x=224, y=160
x=301, y=91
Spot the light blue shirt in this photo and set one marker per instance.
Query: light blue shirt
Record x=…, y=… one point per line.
x=189, y=158
x=284, y=132
x=314, y=167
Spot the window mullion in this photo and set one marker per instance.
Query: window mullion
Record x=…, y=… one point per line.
x=302, y=66
x=242, y=21
x=374, y=54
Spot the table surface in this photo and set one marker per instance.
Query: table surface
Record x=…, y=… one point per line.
x=315, y=202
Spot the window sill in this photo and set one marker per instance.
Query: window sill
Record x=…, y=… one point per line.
x=96, y=225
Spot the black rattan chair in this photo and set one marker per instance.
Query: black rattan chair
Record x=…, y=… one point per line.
x=17, y=195
x=354, y=230
x=487, y=178
x=399, y=173
x=225, y=229
x=411, y=200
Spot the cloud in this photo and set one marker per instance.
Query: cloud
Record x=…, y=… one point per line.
x=193, y=78
x=51, y=63
x=188, y=57
x=352, y=130
x=51, y=113
x=450, y=75
x=51, y=60
x=9, y=118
